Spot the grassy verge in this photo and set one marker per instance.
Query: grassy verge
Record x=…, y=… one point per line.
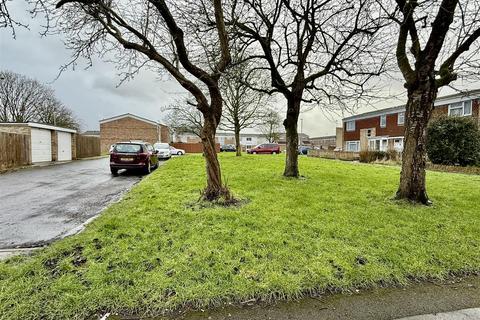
x=336, y=229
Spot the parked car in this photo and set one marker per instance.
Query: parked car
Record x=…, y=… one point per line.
x=133, y=155
x=228, y=148
x=271, y=148
x=178, y=152
x=163, y=150
x=304, y=149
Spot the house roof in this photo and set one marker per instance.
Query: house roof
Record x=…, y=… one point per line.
x=440, y=101
x=130, y=115
x=38, y=125
x=324, y=137
x=91, y=133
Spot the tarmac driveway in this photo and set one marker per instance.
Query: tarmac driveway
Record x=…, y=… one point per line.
x=38, y=205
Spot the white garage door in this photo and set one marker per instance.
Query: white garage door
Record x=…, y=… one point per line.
x=64, y=146
x=41, y=145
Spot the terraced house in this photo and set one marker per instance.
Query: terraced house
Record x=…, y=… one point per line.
x=384, y=129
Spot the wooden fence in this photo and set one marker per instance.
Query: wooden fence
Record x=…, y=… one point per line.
x=330, y=154
x=87, y=146
x=192, y=147
x=14, y=150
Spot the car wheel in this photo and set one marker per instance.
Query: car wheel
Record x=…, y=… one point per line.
x=274, y=152
x=179, y=153
x=254, y=152
x=114, y=171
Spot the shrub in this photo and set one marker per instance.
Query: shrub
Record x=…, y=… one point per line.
x=453, y=141
x=371, y=156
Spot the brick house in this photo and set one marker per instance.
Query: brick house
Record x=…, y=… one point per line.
x=384, y=129
x=127, y=127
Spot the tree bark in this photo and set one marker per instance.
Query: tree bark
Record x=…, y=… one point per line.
x=238, y=147
x=418, y=112
x=214, y=188
x=290, y=124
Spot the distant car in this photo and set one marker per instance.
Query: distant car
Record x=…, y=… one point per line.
x=228, y=148
x=270, y=148
x=178, y=152
x=304, y=149
x=133, y=155
x=163, y=150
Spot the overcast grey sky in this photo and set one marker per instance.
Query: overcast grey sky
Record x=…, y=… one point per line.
x=92, y=94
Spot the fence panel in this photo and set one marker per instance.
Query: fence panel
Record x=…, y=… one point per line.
x=87, y=146
x=192, y=147
x=14, y=150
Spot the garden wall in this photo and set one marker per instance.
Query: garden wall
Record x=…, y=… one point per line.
x=338, y=155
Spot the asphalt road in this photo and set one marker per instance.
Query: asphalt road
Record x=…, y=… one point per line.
x=38, y=205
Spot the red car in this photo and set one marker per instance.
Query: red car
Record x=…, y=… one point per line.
x=270, y=148
x=133, y=155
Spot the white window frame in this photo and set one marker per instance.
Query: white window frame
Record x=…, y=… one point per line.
x=354, y=142
x=383, y=124
x=401, y=123
x=458, y=106
x=350, y=125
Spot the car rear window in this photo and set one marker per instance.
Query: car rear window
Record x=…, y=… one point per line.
x=128, y=148
x=161, y=145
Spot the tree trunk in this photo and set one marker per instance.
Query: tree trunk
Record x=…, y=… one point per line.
x=418, y=112
x=238, y=147
x=290, y=124
x=214, y=188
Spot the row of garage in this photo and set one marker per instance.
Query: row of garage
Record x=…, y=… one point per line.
x=47, y=143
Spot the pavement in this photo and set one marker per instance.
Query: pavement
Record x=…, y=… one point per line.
x=452, y=299
x=465, y=314
x=41, y=204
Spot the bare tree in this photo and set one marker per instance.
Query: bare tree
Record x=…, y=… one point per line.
x=315, y=51
x=53, y=112
x=33, y=7
x=270, y=125
x=19, y=97
x=23, y=99
x=242, y=104
x=443, y=38
x=183, y=116
x=163, y=36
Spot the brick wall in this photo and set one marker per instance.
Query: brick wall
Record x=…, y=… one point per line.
x=164, y=134
x=130, y=129
x=54, y=144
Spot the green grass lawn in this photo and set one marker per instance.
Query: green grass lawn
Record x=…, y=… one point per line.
x=336, y=229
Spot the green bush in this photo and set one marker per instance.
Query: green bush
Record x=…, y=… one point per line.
x=453, y=141
x=372, y=156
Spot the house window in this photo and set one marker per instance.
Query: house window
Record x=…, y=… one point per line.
x=353, y=146
x=248, y=139
x=401, y=118
x=350, y=125
x=460, y=109
x=383, y=121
